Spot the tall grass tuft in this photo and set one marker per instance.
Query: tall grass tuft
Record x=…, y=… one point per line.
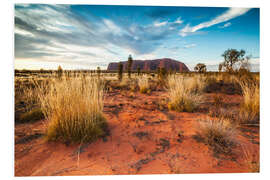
x=74, y=109
x=143, y=84
x=250, y=107
x=184, y=93
x=218, y=134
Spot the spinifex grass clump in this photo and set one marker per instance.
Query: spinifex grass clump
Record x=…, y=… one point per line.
x=27, y=106
x=74, y=109
x=144, y=84
x=184, y=94
x=219, y=134
x=250, y=107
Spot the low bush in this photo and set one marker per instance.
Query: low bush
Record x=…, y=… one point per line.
x=31, y=116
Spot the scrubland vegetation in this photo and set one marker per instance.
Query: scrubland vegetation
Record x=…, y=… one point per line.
x=144, y=84
x=250, y=107
x=72, y=105
x=218, y=133
x=184, y=93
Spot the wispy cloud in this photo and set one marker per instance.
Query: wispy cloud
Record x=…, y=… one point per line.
x=179, y=21
x=187, y=46
x=80, y=37
x=225, y=25
x=159, y=24
x=54, y=30
x=226, y=16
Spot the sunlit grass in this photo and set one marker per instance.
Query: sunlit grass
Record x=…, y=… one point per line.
x=250, y=107
x=184, y=93
x=143, y=84
x=74, y=108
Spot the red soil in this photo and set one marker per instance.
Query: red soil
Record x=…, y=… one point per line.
x=144, y=140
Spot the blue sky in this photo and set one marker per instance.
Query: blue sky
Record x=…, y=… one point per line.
x=87, y=36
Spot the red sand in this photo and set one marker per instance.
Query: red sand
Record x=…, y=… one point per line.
x=156, y=151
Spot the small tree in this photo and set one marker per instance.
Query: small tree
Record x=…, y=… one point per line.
x=138, y=70
x=130, y=60
x=120, y=71
x=162, y=73
x=59, y=71
x=231, y=58
x=200, y=67
x=98, y=72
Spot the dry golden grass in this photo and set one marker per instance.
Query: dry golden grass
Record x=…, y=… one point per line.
x=74, y=108
x=250, y=107
x=124, y=83
x=184, y=93
x=218, y=134
x=143, y=84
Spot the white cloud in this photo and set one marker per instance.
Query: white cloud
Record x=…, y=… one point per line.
x=189, y=46
x=226, y=16
x=178, y=21
x=225, y=25
x=159, y=24
x=23, y=32
x=112, y=26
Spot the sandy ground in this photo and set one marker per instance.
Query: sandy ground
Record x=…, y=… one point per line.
x=145, y=138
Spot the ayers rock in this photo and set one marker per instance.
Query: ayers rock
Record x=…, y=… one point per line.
x=152, y=65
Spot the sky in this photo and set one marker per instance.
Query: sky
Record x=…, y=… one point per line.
x=91, y=36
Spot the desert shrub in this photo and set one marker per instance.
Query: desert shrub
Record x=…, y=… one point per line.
x=129, y=65
x=231, y=114
x=232, y=57
x=219, y=134
x=59, y=71
x=212, y=84
x=74, y=109
x=124, y=84
x=33, y=115
x=183, y=94
x=143, y=84
x=27, y=106
x=98, y=72
x=120, y=71
x=216, y=110
x=250, y=107
x=138, y=71
x=224, y=83
x=200, y=67
x=133, y=86
x=30, y=94
x=162, y=75
x=195, y=84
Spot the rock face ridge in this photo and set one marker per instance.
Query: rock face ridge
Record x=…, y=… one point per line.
x=151, y=65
